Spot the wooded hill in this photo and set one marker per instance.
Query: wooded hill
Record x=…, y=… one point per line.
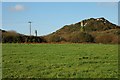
x=91, y=30
x=97, y=30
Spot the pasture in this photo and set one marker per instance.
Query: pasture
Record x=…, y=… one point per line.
x=59, y=61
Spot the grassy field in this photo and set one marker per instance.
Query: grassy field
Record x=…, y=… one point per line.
x=60, y=61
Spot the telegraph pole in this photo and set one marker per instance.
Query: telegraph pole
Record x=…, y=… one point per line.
x=36, y=33
x=30, y=26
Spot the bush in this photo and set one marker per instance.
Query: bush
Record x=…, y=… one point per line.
x=34, y=39
x=17, y=38
x=117, y=32
x=106, y=38
x=78, y=37
x=55, y=38
x=116, y=40
x=12, y=37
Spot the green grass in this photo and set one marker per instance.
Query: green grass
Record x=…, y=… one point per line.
x=59, y=61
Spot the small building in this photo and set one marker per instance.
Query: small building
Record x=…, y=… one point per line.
x=98, y=19
x=82, y=23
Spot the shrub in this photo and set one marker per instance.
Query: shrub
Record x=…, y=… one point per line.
x=55, y=38
x=79, y=37
x=116, y=40
x=34, y=39
x=106, y=38
x=117, y=32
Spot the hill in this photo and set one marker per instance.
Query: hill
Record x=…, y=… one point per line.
x=92, y=30
x=88, y=30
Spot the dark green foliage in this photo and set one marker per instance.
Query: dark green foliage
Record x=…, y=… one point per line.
x=55, y=38
x=34, y=39
x=117, y=32
x=69, y=29
x=80, y=37
x=82, y=29
x=13, y=37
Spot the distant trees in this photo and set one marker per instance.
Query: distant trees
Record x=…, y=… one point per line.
x=107, y=39
x=12, y=37
x=80, y=37
x=55, y=38
x=21, y=39
x=34, y=39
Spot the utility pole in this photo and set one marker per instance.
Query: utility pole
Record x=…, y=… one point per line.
x=30, y=26
x=36, y=33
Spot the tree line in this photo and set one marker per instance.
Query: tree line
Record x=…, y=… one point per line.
x=13, y=37
x=107, y=37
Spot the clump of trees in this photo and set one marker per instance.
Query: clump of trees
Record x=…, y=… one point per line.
x=55, y=38
x=79, y=37
x=75, y=37
x=107, y=39
x=33, y=39
x=13, y=37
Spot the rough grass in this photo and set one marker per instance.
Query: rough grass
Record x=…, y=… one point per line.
x=60, y=61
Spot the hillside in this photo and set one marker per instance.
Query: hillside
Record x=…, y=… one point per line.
x=99, y=24
x=88, y=30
